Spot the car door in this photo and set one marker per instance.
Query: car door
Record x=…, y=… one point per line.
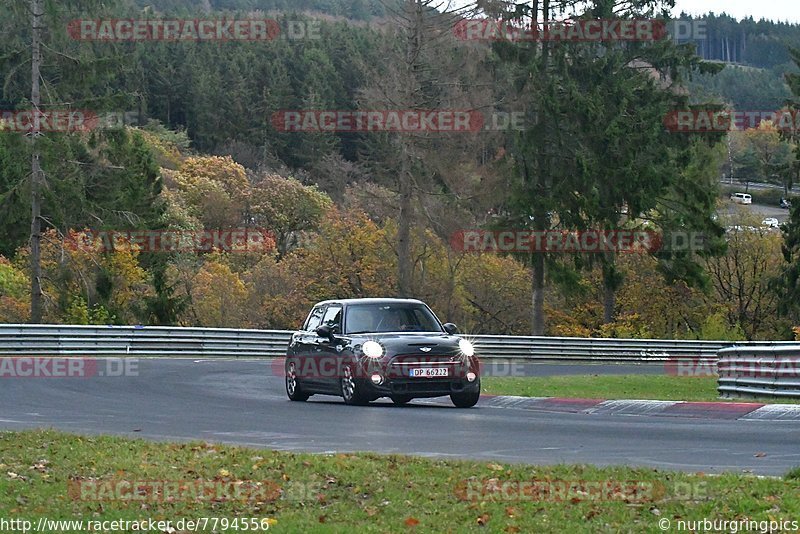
x=305, y=347
x=329, y=351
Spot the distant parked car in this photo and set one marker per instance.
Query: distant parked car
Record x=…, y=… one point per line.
x=741, y=198
x=786, y=203
x=770, y=222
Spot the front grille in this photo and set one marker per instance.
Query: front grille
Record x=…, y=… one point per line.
x=425, y=359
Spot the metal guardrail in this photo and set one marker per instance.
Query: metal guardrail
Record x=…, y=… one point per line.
x=53, y=340
x=150, y=341
x=763, y=369
x=753, y=371
x=594, y=349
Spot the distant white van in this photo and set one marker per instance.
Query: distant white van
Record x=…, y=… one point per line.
x=741, y=198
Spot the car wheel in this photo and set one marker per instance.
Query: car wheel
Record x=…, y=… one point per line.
x=401, y=399
x=467, y=399
x=293, y=389
x=351, y=390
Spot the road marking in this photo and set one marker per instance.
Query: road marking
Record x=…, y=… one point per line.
x=631, y=407
x=775, y=412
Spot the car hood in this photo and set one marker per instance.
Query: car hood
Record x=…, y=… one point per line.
x=412, y=343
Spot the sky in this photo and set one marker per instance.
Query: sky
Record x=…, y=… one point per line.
x=778, y=10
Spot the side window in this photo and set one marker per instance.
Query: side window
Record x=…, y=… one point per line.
x=314, y=319
x=333, y=319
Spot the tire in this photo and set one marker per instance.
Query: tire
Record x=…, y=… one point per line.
x=293, y=389
x=351, y=388
x=467, y=399
x=401, y=400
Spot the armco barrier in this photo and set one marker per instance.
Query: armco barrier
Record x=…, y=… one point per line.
x=760, y=371
x=151, y=341
x=594, y=349
x=53, y=340
x=745, y=369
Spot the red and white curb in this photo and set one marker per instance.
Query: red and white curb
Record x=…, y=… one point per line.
x=749, y=411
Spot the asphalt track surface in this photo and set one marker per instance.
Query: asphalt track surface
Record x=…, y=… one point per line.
x=242, y=402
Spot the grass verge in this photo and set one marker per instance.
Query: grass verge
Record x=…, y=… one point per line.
x=337, y=492
x=646, y=387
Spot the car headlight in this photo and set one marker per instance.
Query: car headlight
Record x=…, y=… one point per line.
x=372, y=349
x=466, y=348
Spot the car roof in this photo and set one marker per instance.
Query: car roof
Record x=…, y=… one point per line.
x=348, y=302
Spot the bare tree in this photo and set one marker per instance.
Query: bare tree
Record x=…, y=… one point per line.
x=415, y=77
x=37, y=176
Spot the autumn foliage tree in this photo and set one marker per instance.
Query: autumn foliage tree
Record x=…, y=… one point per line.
x=286, y=207
x=86, y=283
x=742, y=278
x=215, y=189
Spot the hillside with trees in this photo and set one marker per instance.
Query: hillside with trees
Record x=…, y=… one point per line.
x=360, y=213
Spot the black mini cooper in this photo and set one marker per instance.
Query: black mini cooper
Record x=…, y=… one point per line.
x=364, y=349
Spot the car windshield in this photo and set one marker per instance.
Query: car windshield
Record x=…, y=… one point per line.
x=368, y=318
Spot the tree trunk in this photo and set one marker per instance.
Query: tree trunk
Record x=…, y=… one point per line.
x=404, y=266
x=37, y=177
x=609, y=303
x=612, y=281
x=537, y=279
x=414, y=44
x=540, y=214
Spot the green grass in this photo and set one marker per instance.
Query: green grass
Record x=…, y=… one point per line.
x=646, y=387
x=367, y=492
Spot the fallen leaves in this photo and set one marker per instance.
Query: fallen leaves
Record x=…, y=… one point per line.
x=411, y=522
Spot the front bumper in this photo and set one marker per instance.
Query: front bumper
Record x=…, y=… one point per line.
x=422, y=387
x=396, y=379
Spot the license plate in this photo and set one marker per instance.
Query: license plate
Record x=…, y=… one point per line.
x=429, y=372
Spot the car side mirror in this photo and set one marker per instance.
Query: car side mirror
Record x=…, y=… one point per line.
x=450, y=328
x=325, y=331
